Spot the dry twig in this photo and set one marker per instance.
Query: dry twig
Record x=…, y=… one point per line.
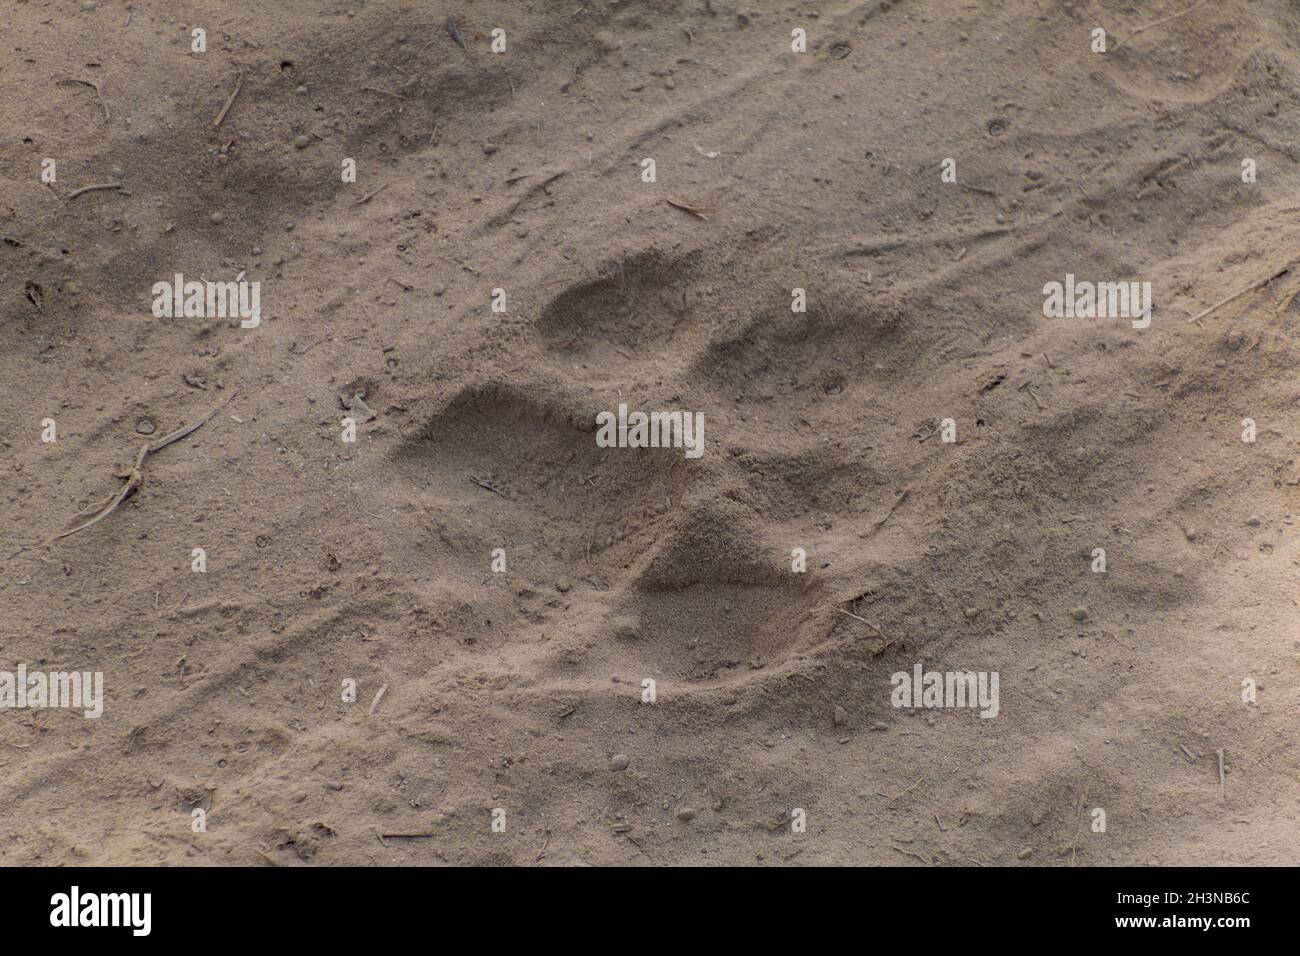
x=905, y=792
x=910, y=853
x=90, y=189
x=132, y=480
x=1157, y=23
x=687, y=207
x=1237, y=295
x=230, y=100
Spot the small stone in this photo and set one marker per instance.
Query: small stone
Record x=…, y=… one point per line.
x=333, y=785
x=880, y=725
x=144, y=426
x=1252, y=521
x=563, y=587
x=1080, y=613
x=217, y=218
x=1024, y=854
x=686, y=814
x=618, y=762
x=361, y=412
x=605, y=41
x=841, y=717
x=302, y=141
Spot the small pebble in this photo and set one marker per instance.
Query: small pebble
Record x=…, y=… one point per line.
x=619, y=762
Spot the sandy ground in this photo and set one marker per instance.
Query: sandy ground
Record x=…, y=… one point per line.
x=521, y=691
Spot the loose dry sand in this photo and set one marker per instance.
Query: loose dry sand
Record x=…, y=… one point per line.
x=371, y=561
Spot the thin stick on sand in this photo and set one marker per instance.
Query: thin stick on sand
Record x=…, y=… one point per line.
x=1237, y=295
x=90, y=189
x=687, y=208
x=919, y=780
x=371, y=195
x=1157, y=23
x=874, y=627
x=132, y=479
x=230, y=101
x=892, y=508
x=910, y=853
